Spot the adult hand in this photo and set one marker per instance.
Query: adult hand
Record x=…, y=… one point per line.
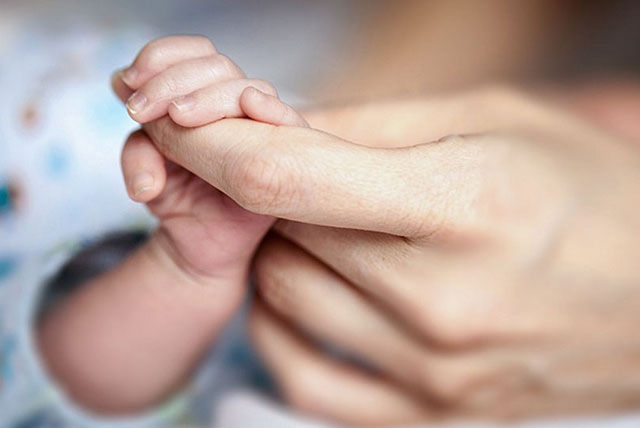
x=489, y=272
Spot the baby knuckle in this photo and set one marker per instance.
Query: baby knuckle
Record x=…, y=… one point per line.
x=266, y=87
x=152, y=56
x=204, y=42
x=223, y=66
x=169, y=85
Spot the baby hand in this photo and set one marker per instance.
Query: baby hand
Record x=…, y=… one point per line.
x=204, y=232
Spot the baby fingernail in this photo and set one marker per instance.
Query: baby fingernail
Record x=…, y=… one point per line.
x=142, y=182
x=257, y=92
x=184, y=103
x=117, y=75
x=129, y=75
x=136, y=103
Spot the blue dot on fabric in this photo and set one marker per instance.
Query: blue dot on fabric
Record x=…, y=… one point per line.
x=57, y=161
x=7, y=266
x=5, y=198
x=9, y=345
x=106, y=116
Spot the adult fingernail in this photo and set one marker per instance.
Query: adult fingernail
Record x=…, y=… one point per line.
x=136, y=103
x=184, y=103
x=129, y=75
x=142, y=182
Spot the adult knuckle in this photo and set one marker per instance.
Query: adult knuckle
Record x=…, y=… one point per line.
x=441, y=212
x=297, y=386
x=264, y=185
x=445, y=386
x=501, y=94
x=507, y=169
x=491, y=104
x=443, y=319
x=274, y=282
x=384, y=270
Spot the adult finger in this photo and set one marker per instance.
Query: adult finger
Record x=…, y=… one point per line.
x=152, y=99
x=403, y=123
x=309, y=176
x=216, y=102
x=327, y=388
x=347, y=251
x=162, y=53
x=143, y=168
x=312, y=297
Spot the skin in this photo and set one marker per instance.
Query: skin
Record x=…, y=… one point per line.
x=461, y=270
x=132, y=336
x=464, y=258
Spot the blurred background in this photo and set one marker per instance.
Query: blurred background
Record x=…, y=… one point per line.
x=61, y=129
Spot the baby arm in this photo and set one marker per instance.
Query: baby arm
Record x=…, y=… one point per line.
x=131, y=336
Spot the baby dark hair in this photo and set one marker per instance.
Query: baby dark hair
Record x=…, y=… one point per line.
x=94, y=259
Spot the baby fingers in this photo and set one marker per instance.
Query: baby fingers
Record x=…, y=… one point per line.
x=152, y=99
x=268, y=108
x=215, y=102
x=160, y=54
x=143, y=168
